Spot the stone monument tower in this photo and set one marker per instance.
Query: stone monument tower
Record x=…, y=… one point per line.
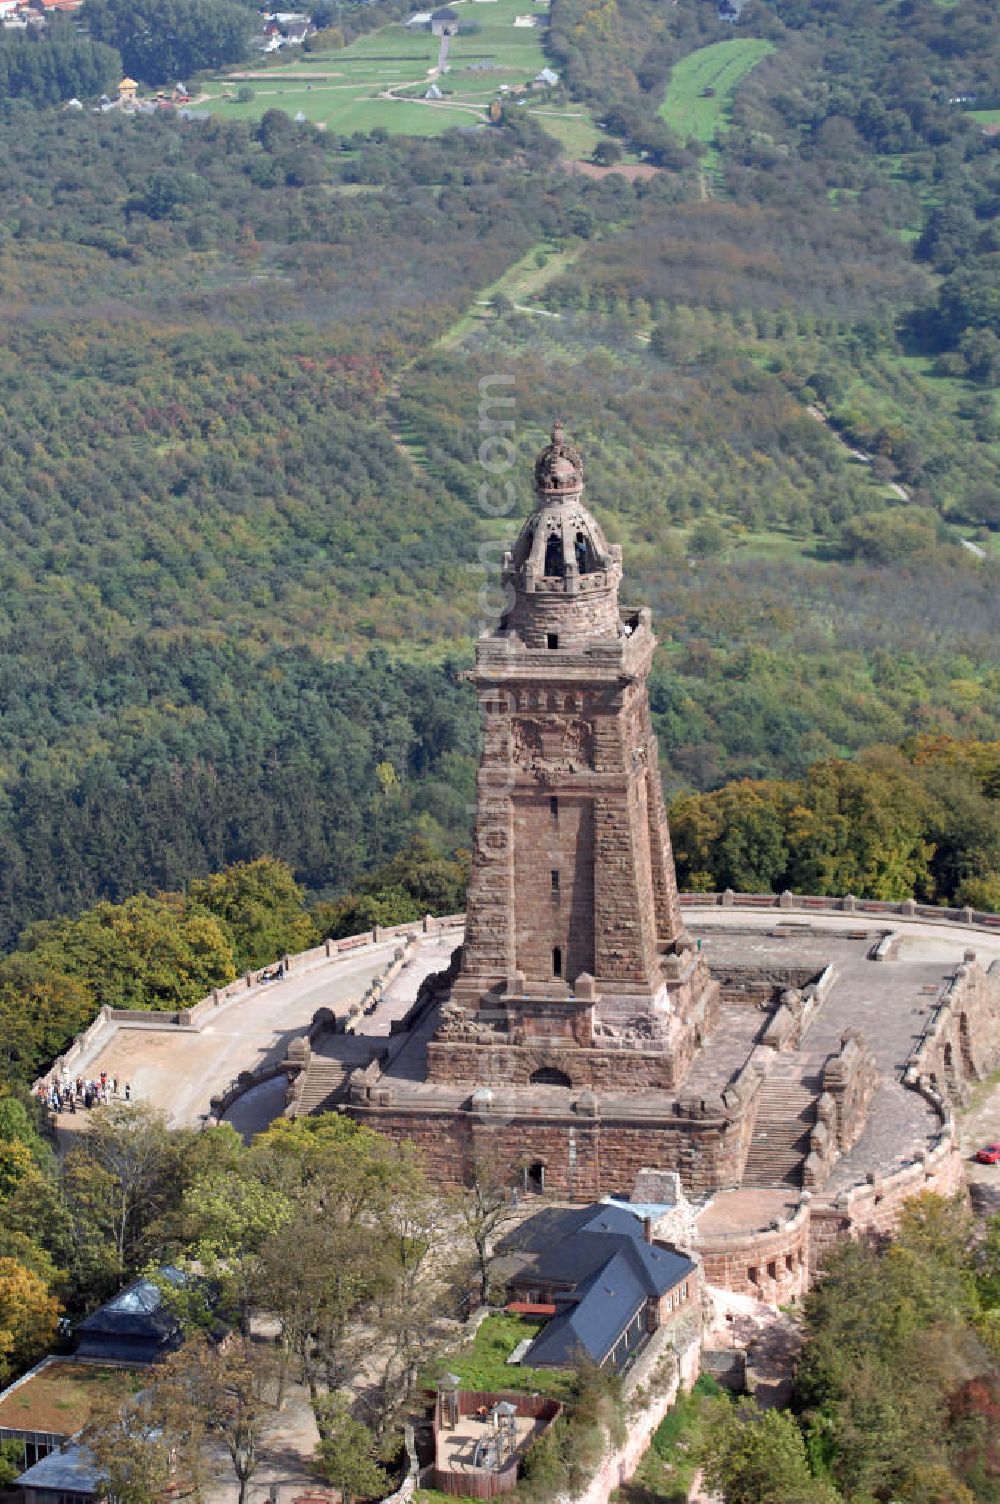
x=574, y=949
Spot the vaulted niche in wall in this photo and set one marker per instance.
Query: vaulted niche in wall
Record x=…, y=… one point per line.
x=549, y=1076
x=555, y=563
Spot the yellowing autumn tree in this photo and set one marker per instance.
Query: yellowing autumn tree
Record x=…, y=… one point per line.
x=28, y=1317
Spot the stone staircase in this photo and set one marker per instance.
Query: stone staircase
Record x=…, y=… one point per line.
x=325, y=1084
x=785, y=1116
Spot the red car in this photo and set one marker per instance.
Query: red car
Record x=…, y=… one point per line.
x=989, y=1154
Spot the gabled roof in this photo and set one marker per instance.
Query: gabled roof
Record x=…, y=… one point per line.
x=591, y=1326
x=570, y=1249
x=546, y=1228
x=578, y=1258
x=602, y=1272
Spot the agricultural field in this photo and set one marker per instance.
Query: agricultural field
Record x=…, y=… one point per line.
x=574, y=129
x=380, y=79
x=702, y=85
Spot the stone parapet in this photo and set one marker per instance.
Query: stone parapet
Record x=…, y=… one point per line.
x=872, y=1210
x=960, y=1043
x=850, y=1078
x=907, y=908
x=109, y=1020
x=770, y=1263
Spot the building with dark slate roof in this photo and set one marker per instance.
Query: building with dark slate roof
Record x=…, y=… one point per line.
x=134, y=1326
x=603, y=1280
x=444, y=22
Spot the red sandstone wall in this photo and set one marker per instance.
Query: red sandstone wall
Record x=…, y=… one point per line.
x=584, y=1157
x=874, y=1210
x=962, y=1043
x=544, y=917
x=771, y=1265
x=514, y=1065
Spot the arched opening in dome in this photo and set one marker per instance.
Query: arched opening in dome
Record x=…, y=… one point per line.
x=555, y=563
x=522, y=546
x=547, y=1075
x=586, y=558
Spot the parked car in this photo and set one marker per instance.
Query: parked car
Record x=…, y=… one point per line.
x=989, y=1154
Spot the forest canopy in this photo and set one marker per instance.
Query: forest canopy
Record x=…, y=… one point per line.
x=922, y=820
x=240, y=538
x=164, y=41
x=47, y=67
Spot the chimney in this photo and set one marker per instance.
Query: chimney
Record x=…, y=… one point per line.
x=647, y=1229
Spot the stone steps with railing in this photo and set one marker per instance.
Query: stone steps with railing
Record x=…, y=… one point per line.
x=325, y=1084
x=785, y=1116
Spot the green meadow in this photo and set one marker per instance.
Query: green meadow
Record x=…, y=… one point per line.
x=351, y=89
x=701, y=87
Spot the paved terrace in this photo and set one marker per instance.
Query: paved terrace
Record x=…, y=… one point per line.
x=889, y=1002
x=180, y=1070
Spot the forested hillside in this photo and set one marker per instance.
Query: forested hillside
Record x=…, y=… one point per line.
x=239, y=528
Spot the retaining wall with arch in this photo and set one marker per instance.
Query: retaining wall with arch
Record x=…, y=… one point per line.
x=770, y=1263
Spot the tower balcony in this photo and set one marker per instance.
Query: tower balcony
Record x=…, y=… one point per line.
x=502, y=655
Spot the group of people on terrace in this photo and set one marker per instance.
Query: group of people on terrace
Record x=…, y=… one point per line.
x=66, y=1094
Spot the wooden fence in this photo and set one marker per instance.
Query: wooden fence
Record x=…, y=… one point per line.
x=486, y=1483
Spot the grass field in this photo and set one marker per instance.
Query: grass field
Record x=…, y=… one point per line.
x=720, y=67
x=346, y=91
x=340, y=109
x=985, y=117
x=573, y=129
x=482, y=1364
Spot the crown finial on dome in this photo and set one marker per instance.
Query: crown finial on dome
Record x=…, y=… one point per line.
x=558, y=469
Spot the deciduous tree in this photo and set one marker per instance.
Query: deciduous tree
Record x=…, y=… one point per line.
x=29, y=1314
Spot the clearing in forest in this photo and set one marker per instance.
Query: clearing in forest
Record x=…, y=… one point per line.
x=701, y=88
x=382, y=78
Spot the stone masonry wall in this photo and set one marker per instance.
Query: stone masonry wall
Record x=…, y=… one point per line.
x=514, y=1065
x=553, y=884
x=770, y=1264
x=851, y=1078
x=623, y=914
x=489, y=935
x=759, y=984
x=584, y=1157
x=961, y=1043
x=669, y=922
x=590, y=612
x=873, y=1210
